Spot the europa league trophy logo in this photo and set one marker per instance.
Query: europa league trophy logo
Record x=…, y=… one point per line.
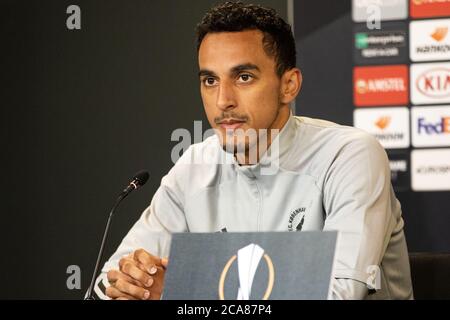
x=248, y=259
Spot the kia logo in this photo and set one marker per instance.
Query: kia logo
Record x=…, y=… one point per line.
x=434, y=83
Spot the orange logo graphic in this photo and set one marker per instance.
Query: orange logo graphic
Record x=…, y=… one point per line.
x=440, y=33
x=383, y=122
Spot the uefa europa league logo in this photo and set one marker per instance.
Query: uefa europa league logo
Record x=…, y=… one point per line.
x=248, y=259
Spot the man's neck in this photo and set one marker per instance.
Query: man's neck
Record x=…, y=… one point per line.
x=248, y=157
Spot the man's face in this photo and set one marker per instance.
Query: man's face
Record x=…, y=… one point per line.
x=239, y=86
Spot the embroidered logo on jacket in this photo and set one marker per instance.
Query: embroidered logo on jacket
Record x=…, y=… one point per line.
x=296, y=219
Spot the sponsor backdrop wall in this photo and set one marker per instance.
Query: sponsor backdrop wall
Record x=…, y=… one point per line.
x=384, y=66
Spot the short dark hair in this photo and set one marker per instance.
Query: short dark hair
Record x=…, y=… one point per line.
x=278, y=41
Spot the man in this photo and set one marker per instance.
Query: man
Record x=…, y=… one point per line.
x=307, y=174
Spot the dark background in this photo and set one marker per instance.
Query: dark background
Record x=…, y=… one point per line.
x=83, y=110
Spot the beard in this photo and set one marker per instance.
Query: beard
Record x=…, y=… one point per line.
x=249, y=144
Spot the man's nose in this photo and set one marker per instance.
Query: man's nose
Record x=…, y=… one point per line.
x=226, y=99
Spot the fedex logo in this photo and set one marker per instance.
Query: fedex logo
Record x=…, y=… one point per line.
x=440, y=127
x=430, y=126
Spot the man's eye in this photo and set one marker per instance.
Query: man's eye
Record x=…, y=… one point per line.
x=245, y=78
x=209, y=81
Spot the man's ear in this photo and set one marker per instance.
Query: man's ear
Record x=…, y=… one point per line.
x=291, y=83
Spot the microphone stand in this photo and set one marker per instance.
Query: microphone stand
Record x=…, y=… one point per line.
x=89, y=295
x=138, y=181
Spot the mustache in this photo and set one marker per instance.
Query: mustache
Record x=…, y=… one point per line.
x=230, y=116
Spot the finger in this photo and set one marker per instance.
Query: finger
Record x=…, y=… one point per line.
x=158, y=285
x=165, y=262
x=131, y=260
x=125, y=260
x=122, y=298
x=132, y=290
x=136, y=273
x=147, y=259
x=114, y=275
x=155, y=289
x=115, y=293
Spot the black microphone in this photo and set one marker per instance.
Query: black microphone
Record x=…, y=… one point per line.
x=138, y=181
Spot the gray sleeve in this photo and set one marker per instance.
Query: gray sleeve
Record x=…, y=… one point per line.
x=348, y=289
x=358, y=204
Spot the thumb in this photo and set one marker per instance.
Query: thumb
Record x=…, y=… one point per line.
x=165, y=262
